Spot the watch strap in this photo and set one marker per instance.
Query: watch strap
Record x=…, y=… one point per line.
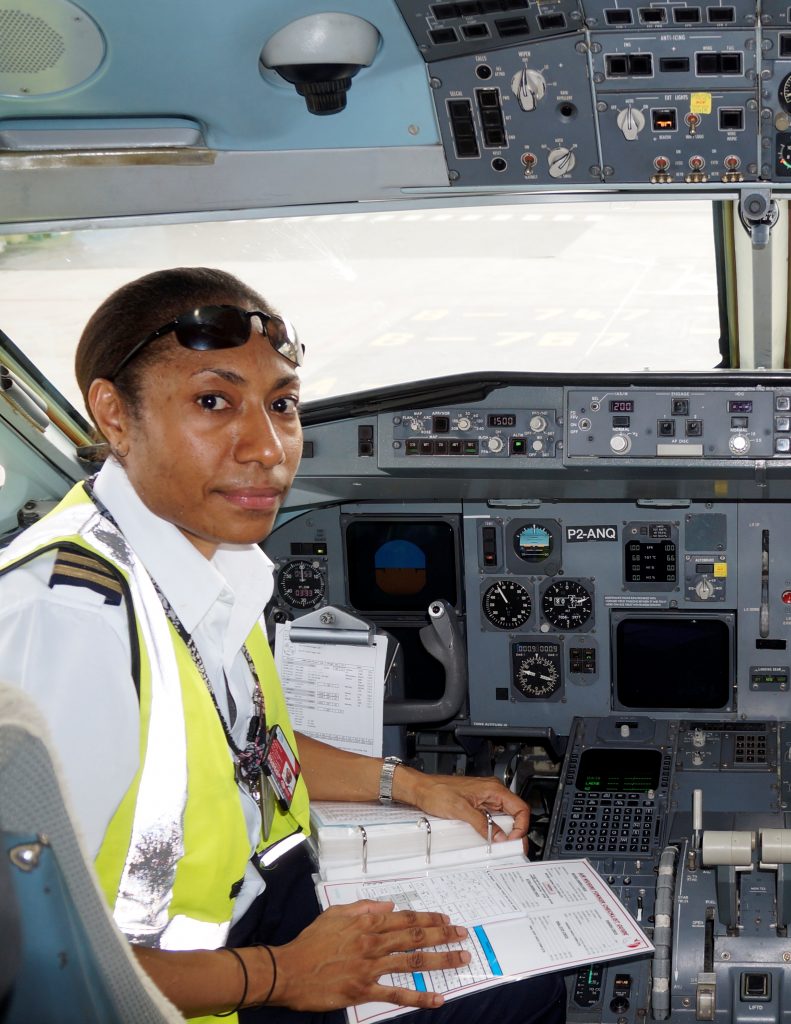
x=389, y=766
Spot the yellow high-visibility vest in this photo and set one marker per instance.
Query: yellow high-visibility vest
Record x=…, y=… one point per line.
x=175, y=852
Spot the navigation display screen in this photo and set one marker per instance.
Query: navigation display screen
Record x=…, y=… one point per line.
x=400, y=565
x=604, y=770
x=672, y=661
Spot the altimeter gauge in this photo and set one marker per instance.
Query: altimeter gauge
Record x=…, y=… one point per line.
x=536, y=668
x=507, y=604
x=566, y=604
x=301, y=584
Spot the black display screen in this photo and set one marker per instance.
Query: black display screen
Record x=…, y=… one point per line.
x=672, y=661
x=400, y=565
x=603, y=770
x=501, y=419
x=622, y=405
x=740, y=406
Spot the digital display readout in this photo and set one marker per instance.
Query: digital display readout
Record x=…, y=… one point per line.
x=501, y=419
x=650, y=562
x=619, y=771
x=740, y=406
x=622, y=405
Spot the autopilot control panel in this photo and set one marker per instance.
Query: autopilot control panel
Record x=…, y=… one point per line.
x=614, y=563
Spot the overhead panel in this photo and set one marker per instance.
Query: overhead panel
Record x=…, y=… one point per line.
x=616, y=92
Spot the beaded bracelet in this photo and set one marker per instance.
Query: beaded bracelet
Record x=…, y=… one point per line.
x=274, y=973
x=230, y=1013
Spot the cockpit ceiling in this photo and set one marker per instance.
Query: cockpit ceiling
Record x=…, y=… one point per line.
x=139, y=110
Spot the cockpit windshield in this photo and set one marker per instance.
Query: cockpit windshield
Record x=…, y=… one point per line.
x=384, y=298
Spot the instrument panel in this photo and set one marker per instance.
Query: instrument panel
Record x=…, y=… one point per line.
x=614, y=563
x=602, y=548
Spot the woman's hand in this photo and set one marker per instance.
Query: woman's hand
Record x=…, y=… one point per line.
x=338, y=959
x=465, y=797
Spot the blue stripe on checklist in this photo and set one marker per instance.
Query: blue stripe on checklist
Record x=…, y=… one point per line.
x=486, y=946
x=420, y=982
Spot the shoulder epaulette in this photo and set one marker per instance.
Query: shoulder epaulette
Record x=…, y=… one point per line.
x=83, y=569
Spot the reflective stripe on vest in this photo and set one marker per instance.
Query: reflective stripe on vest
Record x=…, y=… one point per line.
x=172, y=852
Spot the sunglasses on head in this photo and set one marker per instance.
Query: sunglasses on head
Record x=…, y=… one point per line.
x=215, y=327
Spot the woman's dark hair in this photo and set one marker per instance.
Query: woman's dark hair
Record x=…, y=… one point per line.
x=138, y=308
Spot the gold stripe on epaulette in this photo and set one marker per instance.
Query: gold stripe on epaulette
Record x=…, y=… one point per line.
x=78, y=573
x=86, y=561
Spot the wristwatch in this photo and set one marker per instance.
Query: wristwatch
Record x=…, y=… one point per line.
x=386, y=779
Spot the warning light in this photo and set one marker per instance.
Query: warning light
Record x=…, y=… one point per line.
x=786, y=597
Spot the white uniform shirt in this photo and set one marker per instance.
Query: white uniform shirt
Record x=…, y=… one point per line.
x=70, y=651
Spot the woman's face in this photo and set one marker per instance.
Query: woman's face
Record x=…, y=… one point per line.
x=215, y=441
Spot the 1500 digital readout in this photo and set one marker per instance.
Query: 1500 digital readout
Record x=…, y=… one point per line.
x=501, y=419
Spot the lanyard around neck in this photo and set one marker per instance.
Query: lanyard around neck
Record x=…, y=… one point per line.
x=249, y=759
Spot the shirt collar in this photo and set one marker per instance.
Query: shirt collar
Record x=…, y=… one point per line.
x=191, y=582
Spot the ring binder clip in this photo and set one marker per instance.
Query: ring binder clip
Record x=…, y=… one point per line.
x=427, y=823
x=489, y=829
x=364, y=857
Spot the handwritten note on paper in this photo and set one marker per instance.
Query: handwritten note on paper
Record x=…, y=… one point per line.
x=334, y=692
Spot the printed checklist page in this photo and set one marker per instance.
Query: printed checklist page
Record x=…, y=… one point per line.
x=523, y=919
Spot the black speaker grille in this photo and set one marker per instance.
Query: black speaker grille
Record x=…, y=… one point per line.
x=28, y=45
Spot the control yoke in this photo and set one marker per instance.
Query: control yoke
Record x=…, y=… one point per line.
x=443, y=640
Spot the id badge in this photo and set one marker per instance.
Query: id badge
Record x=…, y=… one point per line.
x=281, y=767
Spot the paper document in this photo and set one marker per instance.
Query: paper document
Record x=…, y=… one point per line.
x=524, y=918
x=334, y=692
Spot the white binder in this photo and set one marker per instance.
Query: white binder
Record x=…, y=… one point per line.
x=353, y=839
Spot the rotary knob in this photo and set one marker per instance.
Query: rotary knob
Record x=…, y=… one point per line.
x=631, y=122
x=739, y=444
x=704, y=589
x=495, y=444
x=620, y=443
x=529, y=87
x=463, y=423
x=561, y=161
x=537, y=424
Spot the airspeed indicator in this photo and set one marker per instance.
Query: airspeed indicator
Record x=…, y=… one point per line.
x=784, y=94
x=507, y=604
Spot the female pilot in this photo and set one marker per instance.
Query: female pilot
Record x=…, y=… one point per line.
x=132, y=614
